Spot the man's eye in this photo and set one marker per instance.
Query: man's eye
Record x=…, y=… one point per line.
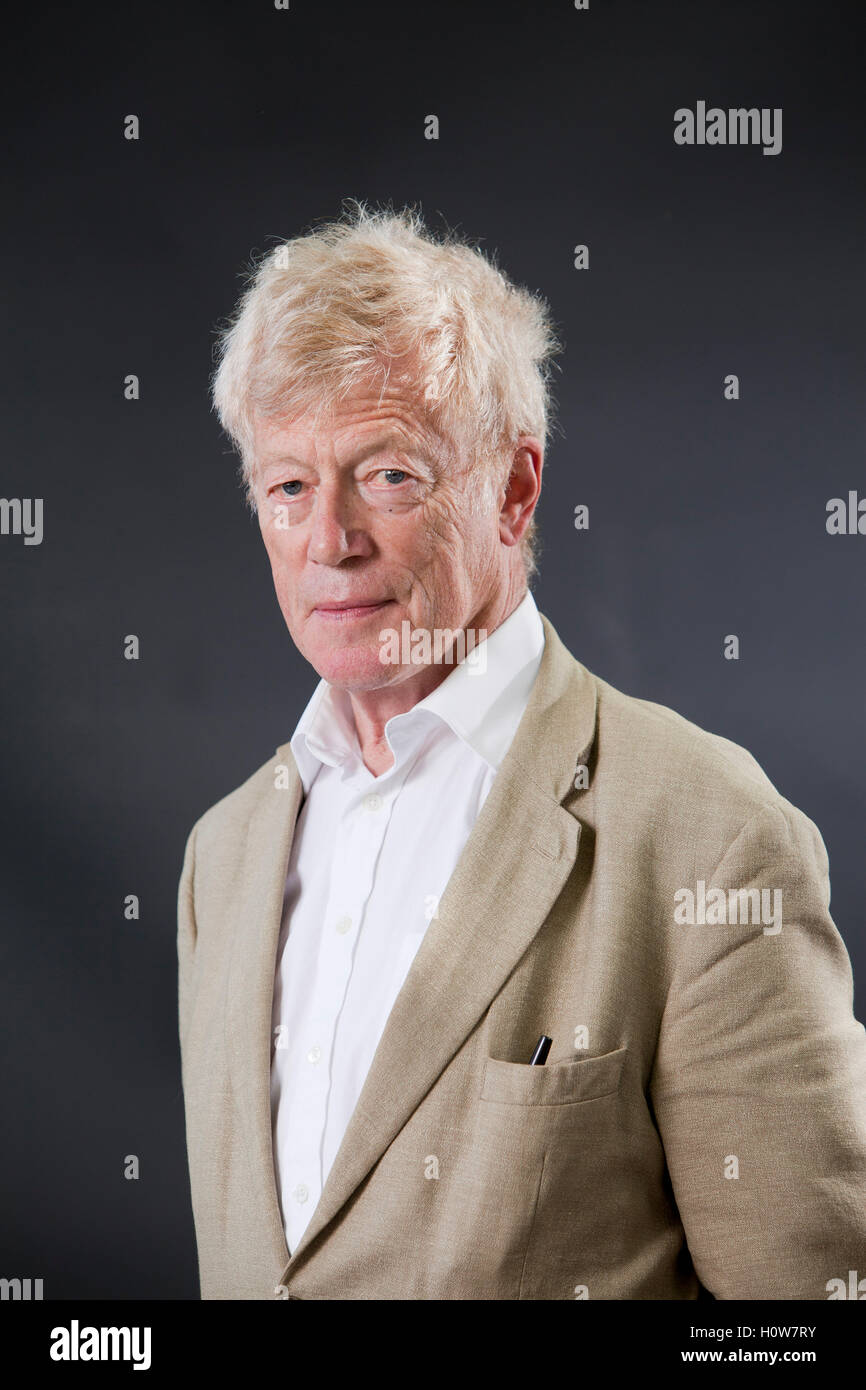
x=394, y=475
x=291, y=489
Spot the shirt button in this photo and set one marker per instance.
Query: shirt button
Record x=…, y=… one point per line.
x=343, y=924
x=314, y=1055
x=372, y=803
x=301, y=1192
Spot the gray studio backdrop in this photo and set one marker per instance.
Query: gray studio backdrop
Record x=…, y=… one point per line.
x=707, y=515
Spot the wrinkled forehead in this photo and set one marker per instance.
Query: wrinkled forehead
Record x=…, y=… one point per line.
x=373, y=416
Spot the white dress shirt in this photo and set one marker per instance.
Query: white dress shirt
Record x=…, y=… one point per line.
x=371, y=857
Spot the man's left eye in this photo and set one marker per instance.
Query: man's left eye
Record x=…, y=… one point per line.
x=394, y=475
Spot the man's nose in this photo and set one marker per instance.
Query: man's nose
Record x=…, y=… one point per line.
x=336, y=527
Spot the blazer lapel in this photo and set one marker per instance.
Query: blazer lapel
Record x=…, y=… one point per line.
x=512, y=869
x=248, y=1013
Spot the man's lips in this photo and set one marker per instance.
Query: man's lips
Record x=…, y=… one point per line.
x=347, y=609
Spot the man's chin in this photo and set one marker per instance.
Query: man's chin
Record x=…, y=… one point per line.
x=355, y=668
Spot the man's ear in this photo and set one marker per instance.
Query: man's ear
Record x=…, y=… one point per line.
x=522, y=489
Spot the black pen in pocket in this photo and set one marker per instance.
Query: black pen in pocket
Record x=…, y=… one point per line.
x=542, y=1047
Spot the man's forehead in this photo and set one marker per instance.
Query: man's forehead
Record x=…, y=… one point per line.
x=358, y=425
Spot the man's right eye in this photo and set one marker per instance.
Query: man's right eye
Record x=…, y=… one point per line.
x=291, y=489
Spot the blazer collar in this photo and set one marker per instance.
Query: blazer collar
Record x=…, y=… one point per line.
x=512, y=869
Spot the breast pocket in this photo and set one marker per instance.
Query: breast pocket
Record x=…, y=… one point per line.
x=561, y=1083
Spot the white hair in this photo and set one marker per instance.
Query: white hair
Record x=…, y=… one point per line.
x=324, y=310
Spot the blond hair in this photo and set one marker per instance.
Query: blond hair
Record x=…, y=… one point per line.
x=323, y=310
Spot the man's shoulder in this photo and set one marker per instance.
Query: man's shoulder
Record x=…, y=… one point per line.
x=227, y=819
x=648, y=755
x=664, y=737
x=678, y=771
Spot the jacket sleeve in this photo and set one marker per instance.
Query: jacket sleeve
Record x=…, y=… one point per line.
x=186, y=935
x=759, y=1080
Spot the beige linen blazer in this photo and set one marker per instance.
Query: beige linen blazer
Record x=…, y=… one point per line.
x=699, y=1127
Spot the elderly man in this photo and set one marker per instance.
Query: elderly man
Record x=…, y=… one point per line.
x=471, y=844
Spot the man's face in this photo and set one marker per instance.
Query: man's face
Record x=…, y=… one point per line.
x=368, y=521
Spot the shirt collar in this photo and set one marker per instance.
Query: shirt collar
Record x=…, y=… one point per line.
x=481, y=700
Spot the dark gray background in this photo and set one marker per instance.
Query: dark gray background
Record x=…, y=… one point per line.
x=707, y=517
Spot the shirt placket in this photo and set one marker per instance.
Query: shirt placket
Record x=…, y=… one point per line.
x=357, y=846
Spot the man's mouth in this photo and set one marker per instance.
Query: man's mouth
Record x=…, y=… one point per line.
x=349, y=610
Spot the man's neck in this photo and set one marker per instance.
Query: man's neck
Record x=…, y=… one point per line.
x=373, y=708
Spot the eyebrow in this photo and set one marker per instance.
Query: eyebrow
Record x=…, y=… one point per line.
x=392, y=441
